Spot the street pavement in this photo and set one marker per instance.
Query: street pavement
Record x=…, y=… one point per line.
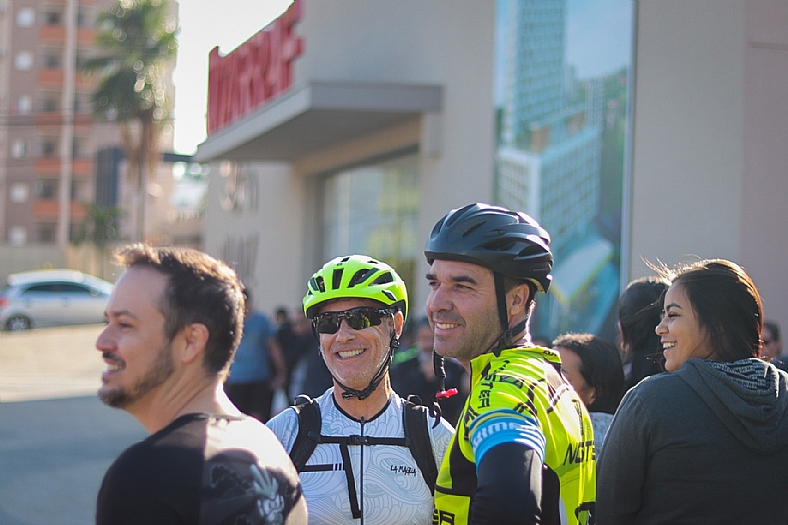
x=56, y=438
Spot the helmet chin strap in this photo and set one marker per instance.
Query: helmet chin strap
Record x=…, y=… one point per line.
x=350, y=393
x=507, y=335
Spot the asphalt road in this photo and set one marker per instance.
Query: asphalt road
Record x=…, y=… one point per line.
x=56, y=438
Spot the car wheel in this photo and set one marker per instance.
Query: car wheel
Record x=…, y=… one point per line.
x=18, y=323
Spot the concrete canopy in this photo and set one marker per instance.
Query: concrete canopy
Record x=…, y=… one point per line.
x=317, y=116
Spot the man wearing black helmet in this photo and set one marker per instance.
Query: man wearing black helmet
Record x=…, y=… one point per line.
x=523, y=451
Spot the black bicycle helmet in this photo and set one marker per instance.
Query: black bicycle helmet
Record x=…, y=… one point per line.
x=510, y=243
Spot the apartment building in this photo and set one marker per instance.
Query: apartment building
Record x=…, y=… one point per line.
x=49, y=142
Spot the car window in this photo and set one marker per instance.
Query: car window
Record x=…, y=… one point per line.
x=43, y=288
x=74, y=288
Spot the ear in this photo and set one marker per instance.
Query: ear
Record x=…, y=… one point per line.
x=194, y=337
x=399, y=322
x=517, y=299
x=591, y=394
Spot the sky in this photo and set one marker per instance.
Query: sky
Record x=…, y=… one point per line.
x=205, y=24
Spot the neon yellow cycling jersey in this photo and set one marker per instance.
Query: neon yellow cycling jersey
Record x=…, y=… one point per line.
x=519, y=396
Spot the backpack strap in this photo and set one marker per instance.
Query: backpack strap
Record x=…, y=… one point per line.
x=416, y=422
x=308, y=436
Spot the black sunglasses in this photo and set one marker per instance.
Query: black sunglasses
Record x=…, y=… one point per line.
x=357, y=319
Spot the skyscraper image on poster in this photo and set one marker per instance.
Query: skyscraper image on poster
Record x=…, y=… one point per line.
x=561, y=95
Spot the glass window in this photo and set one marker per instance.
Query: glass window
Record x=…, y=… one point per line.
x=24, y=104
x=23, y=61
x=373, y=210
x=25, y=17
x=19, y=148
x=19, y=193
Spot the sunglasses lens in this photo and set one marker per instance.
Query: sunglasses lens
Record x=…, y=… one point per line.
x=357, y=319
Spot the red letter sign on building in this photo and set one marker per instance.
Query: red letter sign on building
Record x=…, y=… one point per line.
x=256, y=72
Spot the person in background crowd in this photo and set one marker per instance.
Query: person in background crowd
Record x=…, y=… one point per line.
x=697, y=445
x=523, y=451
x=413, y=373
x=592, y=366
x=311, y=376
x=638, y=314
x=286, y=338
x=258, y=368
x=361, y=464
x=173, y=322
x=772, y=347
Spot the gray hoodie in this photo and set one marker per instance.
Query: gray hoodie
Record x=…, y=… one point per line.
x=706, y=444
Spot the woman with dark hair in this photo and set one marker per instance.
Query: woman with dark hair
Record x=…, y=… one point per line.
x=706, y=443
x=638, y=314
x=593, y=368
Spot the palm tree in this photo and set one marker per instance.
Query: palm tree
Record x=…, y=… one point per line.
x=137, y=43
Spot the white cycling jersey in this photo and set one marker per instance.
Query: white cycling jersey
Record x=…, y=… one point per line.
x=389, y=485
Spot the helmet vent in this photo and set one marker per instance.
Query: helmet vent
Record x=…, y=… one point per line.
x=336, y=278
x=389, y=295
x=502, y=245
x=384, y=278
x=473, y=228
x=359, y=277
x=319, y=284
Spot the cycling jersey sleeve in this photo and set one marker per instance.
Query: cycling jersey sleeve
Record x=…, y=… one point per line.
x=509, y=488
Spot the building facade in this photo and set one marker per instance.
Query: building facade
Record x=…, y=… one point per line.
x=383, y=118
x=55, y=158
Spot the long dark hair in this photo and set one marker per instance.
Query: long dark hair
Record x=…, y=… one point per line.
x=638, y=315
x=727, y=305
x=600, y=367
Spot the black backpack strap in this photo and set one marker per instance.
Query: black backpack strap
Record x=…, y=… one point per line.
x=416, y=422
x=308, y=436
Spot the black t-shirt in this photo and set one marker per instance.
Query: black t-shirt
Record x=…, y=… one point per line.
x=203, y=469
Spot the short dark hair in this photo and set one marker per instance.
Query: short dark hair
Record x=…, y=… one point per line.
x=639, y=313
x=600, y=366
x=200, y=289
x=727, y=305
x=774, y=328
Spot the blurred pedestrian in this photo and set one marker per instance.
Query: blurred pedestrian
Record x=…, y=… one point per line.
x=258, y=368
x=311, y=376
x=707, y=442
x=413, y=373
x=772, y=345
x=638, y=314
x=173, y=322
x=592, y=366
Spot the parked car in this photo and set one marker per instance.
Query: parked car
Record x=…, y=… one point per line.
x=52, y=297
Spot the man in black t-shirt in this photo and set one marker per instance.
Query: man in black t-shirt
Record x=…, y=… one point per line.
x=173, y=323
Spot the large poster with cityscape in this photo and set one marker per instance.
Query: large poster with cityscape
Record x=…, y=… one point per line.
x=561, y=95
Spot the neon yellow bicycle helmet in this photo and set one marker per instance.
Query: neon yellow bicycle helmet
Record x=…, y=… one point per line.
x=356, y=277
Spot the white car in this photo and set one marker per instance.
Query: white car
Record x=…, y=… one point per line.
x=52, y=297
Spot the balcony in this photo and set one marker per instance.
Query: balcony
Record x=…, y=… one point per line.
x=49, y=209
x=81, y=168
x=52, y=34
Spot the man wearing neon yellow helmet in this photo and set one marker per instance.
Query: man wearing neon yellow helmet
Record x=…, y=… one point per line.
x=524, y=447
x=363, y=453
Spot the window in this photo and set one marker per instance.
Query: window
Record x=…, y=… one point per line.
x=45, y=233
x=49, y=146
x=50, y=103
x=46, y=189
x=19, y=148
x=373, y=209
x=23, y=61
x=19, y=193
x=17, y=235
x=24, y=104
x=53, y=18
x=25, y=17
x=51, y=60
